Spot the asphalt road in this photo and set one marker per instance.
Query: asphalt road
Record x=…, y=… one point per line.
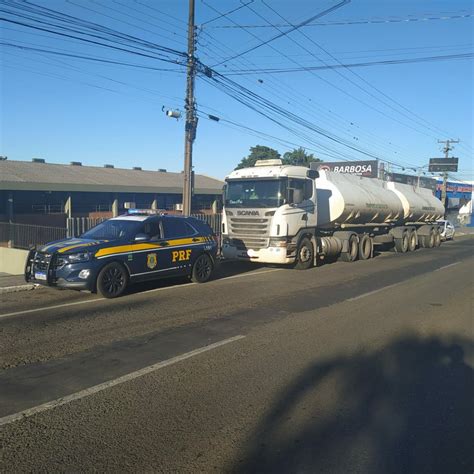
x=362, y=367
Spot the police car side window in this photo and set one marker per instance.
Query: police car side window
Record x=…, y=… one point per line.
x=174, y=228
x=152, y=229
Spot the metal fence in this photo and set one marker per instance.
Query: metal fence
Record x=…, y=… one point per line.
x=23, y=236
x=76, y=226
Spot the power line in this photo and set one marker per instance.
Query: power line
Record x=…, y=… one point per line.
x=240, y=72
x=367, y=21
x=253, y=35
x=284, y=33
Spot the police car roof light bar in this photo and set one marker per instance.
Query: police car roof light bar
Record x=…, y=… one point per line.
x=145, y=212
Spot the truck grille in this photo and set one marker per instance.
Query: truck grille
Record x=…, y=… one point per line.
x=249, y=233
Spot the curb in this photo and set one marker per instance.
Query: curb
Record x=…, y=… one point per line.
x=15, y=289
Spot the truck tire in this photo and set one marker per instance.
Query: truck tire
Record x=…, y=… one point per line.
x=112, y=280
x=304, y=255
x=412, y=241
x=353, y=253
x=202, y=269
x=365, y=247
x=437, y=238
x=428, y=241
x=402, y=244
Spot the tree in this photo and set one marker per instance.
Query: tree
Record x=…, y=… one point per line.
x=258, y=152
x=299, y=157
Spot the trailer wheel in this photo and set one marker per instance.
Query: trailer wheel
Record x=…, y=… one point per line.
x=304, y=255
x=437, y=238
x=365, y=247
x=412, y=240
x=402, y=244
x=353, y=253
x=428, y=241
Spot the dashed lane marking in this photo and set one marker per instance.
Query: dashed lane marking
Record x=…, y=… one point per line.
x=112, y=383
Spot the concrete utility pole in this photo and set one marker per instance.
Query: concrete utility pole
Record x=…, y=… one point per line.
x=191, y=119
x=446, y=150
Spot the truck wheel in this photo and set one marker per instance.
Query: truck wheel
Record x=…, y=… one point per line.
x=437, y=239
x=365, y=247
x=202, y=269
x=401, y=245
x=352, y=254
x=112, y=280
x=428, y=241
x=412, y=241
x=304, y=255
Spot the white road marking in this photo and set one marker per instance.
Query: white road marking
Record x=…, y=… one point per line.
x=95, y=300
x=112, y=383
x=363, y=295
x=247, y=274
x=447, y=266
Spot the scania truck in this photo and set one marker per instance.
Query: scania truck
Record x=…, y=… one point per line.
x=283, y=214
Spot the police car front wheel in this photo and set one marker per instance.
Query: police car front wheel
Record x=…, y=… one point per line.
x=112, y=280
x=202, y=269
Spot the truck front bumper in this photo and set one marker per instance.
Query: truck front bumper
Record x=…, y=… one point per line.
x=277, y=255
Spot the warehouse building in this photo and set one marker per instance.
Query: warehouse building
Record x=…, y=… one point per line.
x=37, y=192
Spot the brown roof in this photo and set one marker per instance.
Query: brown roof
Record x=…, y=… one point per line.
x=25, y=175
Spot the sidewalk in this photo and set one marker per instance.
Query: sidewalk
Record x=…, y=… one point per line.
x=12, y=283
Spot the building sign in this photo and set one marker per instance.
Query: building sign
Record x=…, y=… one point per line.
x=456, y=190
x=368, y=169
x=443, y=164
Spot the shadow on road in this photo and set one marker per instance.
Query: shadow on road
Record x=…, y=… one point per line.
x=223, y=270
x=407, y=408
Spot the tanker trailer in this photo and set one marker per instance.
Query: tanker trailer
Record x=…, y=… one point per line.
x=276, y=213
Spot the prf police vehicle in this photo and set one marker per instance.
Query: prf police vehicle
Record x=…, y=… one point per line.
x=138, y=246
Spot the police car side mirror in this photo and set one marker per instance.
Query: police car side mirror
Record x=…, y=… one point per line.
x=141, y=237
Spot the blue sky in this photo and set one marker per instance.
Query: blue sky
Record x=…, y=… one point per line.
x=67, y=109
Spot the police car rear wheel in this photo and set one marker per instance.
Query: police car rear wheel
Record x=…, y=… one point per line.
x=112, y=280
x=202, y=269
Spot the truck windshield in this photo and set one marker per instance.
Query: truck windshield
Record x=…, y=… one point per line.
x=255, y=193
x=114, y=230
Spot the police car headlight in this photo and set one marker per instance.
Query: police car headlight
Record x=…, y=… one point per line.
x=78, y=257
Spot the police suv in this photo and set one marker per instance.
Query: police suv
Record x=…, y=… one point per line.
x=138, y=246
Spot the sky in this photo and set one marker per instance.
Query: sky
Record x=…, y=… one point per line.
x=64, y=108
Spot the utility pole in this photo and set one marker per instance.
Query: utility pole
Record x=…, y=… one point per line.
x=191, y=119
x=447, y=148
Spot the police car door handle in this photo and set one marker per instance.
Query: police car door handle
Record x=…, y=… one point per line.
x=164, y=243
x=195, y=239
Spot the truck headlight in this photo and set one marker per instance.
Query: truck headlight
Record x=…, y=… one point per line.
x=277, y=242
x=78, y=257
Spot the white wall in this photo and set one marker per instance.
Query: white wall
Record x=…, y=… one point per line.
x=12, y=260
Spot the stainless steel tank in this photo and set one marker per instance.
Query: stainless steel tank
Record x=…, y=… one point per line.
x=350, y=199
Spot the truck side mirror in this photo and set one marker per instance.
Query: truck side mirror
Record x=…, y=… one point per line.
x=312, y=174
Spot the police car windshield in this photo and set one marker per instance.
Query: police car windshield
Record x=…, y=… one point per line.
x=255, y=193
x=114, y=229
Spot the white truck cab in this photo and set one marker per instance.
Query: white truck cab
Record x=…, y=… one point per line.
x=264, y=207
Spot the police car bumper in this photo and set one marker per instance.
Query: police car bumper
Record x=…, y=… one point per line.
x=77, y=276
x=276, y=255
